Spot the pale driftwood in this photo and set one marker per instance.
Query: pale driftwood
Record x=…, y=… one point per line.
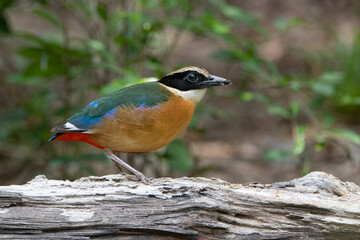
x=317, y=206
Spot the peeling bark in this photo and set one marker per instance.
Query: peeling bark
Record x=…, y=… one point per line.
x=317, y=206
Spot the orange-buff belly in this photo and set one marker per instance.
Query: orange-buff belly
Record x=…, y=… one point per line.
x=145, y=129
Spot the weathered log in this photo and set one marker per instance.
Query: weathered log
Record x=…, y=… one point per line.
x=317, y=206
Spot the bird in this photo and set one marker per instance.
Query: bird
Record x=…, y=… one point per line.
x=140, y=118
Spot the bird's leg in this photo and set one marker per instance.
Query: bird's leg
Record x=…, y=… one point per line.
x=128, y=176
x=118, y=166
x=110, y=154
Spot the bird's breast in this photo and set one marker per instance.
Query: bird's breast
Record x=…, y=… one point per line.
x=144, y=129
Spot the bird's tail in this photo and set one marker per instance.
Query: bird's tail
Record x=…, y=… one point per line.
x=63, y=129
x=55, y=136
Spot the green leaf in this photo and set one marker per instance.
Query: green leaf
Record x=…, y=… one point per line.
x=237, y=15
x=317, y=102
x=277, y=110
x=320, y=142
x=48, y=42
x=45, y=67
x=294, y=109
x=214, y=24
x=96, y=45
x=4, y=26
x=31, y=52
x=49, y=16
x=4, y=4
x=277, y=155
x=21, y=79
x=346, y=134
x=229, y=55
x=247, y=96
x=327, y=83
x=299, y=139
x=327, y=119
x=102, y=11
x=178, y=156
x=333, y=77
x=262, y=98
x=323, y=88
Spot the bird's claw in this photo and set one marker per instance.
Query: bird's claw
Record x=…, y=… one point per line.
x=141, y=178
x=146, y=180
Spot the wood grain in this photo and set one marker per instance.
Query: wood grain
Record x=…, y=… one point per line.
x=317, y=206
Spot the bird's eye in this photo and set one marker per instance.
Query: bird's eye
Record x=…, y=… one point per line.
x=192, y=77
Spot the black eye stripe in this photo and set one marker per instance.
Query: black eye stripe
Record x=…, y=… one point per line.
x=183, y=81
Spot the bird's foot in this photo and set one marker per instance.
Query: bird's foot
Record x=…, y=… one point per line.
x=130, y=176
x=137, y=178
x=145, y=180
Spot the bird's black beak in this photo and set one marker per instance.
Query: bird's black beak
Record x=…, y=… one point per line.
x=215, y=81
x=219, y=81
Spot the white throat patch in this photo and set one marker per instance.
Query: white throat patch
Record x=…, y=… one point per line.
x=191, y=95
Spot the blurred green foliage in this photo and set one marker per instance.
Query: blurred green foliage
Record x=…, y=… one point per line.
x=96, y=47
x=331, y=97
x=338, y=83
x=328, y=97
x=114, y=43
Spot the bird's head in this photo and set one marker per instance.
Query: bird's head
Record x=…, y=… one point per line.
x=191, y=82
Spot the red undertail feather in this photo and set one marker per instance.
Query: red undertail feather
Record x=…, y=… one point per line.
x=77, y=136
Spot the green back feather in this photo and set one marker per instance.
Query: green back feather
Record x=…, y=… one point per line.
x=147, y=94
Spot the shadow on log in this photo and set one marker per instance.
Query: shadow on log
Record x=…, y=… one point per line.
x=317, y=206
